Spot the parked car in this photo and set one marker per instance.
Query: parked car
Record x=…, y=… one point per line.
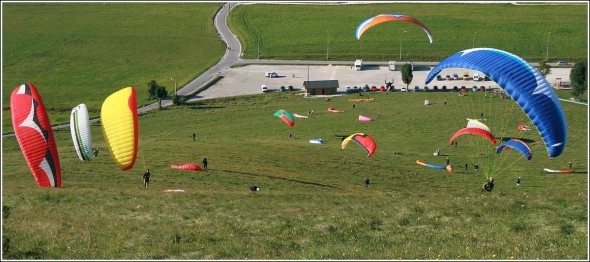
x=403, y=89
x=449, y=77
x=444, y=88
x=562, y=63
x=476, y=77
x=465, y=76
x=290, y=88
x=373, y=88
x=439, y=78
x=270, y=74
x=455, y=76
x=486, y=78
x=474, y=88
x=426, y=89
x=264, y=88
x=282, y=88
x=382, y=88
x=366, y=88
x=416, y=89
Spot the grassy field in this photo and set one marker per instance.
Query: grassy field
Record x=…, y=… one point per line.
x=101, y=48
x=312, y=203
x=313, y=31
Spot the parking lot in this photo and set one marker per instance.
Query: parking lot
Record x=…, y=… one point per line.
x=247, y=80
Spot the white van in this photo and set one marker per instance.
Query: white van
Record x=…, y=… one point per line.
x=358, y=65
x=391, y=65
x=264, y=89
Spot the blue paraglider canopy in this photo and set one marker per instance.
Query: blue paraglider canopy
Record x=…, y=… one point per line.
x=524, y=83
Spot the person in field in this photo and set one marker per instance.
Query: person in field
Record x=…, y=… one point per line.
x=146, y=178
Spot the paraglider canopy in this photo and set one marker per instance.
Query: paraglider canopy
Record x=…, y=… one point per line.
x=364, y=141
x=285, y=116
x=517, y=144
x=474, y=131
x=524, y=83
x=378, y=19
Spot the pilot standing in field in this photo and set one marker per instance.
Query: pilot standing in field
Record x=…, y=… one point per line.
x=205, y=163
x=146, y=178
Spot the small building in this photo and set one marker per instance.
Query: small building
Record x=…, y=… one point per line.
x=321, y=87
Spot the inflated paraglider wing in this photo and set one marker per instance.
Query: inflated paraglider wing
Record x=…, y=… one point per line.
x=378, y=19
x=524, y=83
x=363, y=140
x=189, y=167
x=120, y=126
x=80, y=130
x=517, y=144
x=474, y=131
x=285, y=116
x=34, y=135
x=477, y=124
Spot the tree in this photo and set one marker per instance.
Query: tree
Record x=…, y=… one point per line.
x=579, y=79
x=544, y=68
x=152, y=87
x=161, y=93
x=407, y=75
x=157, y=91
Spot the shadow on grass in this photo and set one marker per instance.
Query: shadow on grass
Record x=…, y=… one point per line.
x=201, y=106
x=275, y=177
x=526, y=140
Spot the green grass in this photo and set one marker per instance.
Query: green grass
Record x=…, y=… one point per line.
x=307, y=31
x=82, y=52
x=312, y=204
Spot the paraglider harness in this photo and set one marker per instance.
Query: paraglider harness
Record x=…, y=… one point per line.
x=488, y=186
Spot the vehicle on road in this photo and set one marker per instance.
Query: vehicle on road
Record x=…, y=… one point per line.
x=562, y=63
x=455, y=76
x=264, y=88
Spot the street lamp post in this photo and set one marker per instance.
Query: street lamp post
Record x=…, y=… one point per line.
x=258, y=49
x=327, y=44
x=547, y=56
x=175, y=94
x=400, y=45
x=473, y=45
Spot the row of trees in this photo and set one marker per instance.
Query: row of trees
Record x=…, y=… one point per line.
x=157, y=91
